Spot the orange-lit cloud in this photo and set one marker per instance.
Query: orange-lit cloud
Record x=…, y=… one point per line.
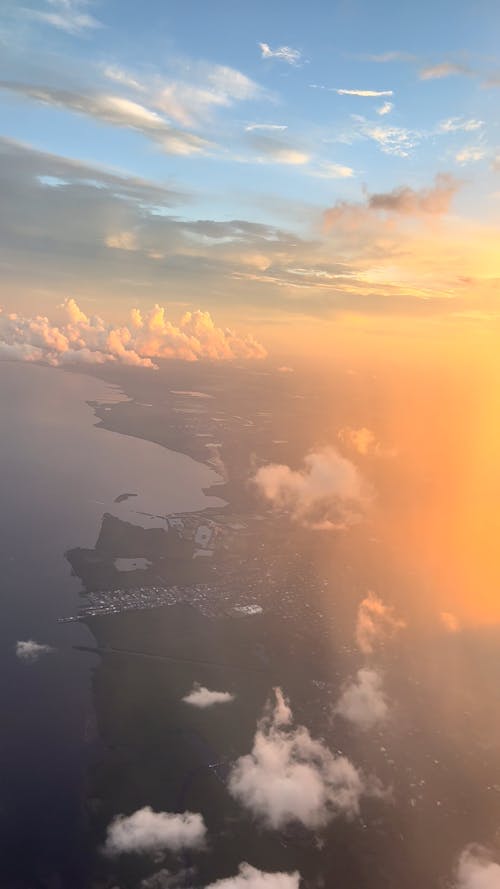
x=90, y=340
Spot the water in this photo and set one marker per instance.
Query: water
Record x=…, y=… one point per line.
x=59, y=473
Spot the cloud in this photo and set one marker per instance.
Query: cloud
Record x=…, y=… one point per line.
x=363, y=700
x=408, y=201
x=443, y=69
x=89, y=340
x=477, y=869
x=212, y=86
x=30, y=650
x=366, y=94
x=375, y=623
x=277, y=150
x=291, y=777
x=116, y=111
x=265, y=126
x=119, y=75
x=249, y=877
x=364, y=442
x=66, y=15
x=450, y=622
x=384, y=109
x=470, y=154
x=456, y=124
x=396, y=141
x=328, y=170
x=391, y=56
x=282, y=53
x=202, y=697
x=328, y=493
x=146, y=831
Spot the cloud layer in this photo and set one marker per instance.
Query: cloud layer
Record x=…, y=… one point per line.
x=327, y=494
x=80, y=339
x=291, y=777
x=146, y=831
x=203, y=697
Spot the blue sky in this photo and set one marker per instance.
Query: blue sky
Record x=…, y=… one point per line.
x=270, y=113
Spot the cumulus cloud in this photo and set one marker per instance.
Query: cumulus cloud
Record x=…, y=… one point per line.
x=249, y=877
x=146, y=831
x=443, y=69
x=66, y=15
x=202, y=697
x=282, y=53
x=477, y=869
x=80, y=339
x=375, y=623
x=30, y=650
x=363, y=700
x=328, y=493
x=364, y=442
x=365, y=94
x=291, y=777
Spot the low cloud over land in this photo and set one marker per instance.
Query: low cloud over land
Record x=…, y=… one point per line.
x=80, y=339
x=203, y=697
x=328, y=493
x=477, y=870
x=146, y=831
x=291, y=777
x=363, y=700
x=375, y=623
x=249, y=877
x=31, y=651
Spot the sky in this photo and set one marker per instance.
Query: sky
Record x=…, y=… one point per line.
x=278, y=166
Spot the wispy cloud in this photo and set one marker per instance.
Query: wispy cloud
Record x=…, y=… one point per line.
x=457, y=124
x=117, y=111
x=366, y=94
x=270, y=148
x=470, y=154
x=384, y=109
x=271, y=127
x=66, y=15
x=395, y=55
x=443, y=69
x=327, y=170
x=282, y=53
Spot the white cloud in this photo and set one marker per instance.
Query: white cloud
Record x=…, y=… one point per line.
x=213, y=86
x=265, y=126
x=365, y=94
x=443, y=69
x=327, y=494
x=363, y=700
x=118, y=75
x=456, y=124
x=202, y=697
x=291, y=777
x=375, y=623
x=477, y=870
x=470, y=154
x=249, y=877
x=384, y=109
x=90, y=340
x=66, y=15
x=332, y=171
x=283, y=53
x=146, y=831
x=30, y=650
x=392, y=140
